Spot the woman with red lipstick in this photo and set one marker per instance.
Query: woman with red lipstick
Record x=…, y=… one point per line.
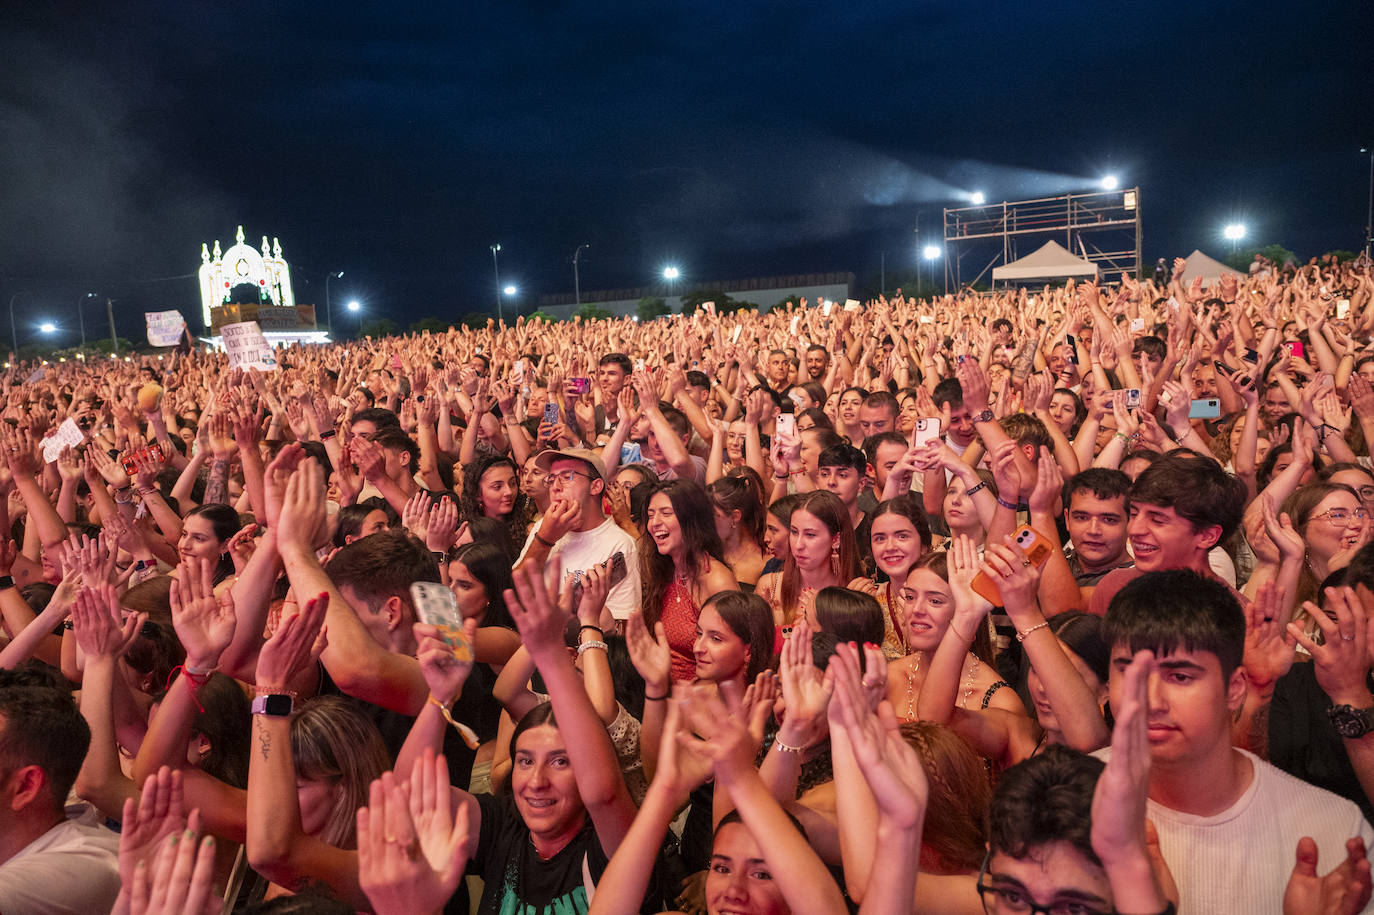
x=685, y=567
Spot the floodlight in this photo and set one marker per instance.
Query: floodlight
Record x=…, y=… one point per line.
x=978, y=198
x=353, y=305
x=931, y=252
x=509, y=290
x=47, y=327
x=1235, y=231
x=670, y=273
x=1109, y=183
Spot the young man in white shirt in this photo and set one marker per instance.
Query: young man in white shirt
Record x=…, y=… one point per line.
x=1228, y=822
x=577, y=531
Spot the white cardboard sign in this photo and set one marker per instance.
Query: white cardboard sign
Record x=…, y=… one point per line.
x=67, y=434
x=247, y=347
x=164, y=327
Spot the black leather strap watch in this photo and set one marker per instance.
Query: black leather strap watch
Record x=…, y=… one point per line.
x=1351, y=722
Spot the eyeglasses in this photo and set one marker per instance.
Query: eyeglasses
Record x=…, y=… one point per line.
x=1339, y=516
x=1366, y=493
x=564, y=476
x=1016, y=900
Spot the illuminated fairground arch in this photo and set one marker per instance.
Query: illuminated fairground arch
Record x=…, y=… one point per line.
x=266, y=270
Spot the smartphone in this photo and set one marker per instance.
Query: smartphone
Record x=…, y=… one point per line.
x=1207, y=408
x=1133, y=398
x=851, y=305
x=618, y=568
x=436, y=606
x=1342, y=309
x=787, y=425
x=926, y=319
x=580, y=385
x=825, y=308
x=927, y=429
x=1037, y=550
x=1295, y=348
x=1073, y=348
x=959, y=359
x=796, y=320
x=479, y=349
x=796, y=395
x=517, y=372
x=550, y=413
x=639, y=365
x=1137, y=324
x=1251, y=355
x=734, y=337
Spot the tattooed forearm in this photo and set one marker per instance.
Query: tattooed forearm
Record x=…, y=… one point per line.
x=264, y=742
x=217, y=486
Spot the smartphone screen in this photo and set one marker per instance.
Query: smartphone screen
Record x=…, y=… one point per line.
x=550, y=413
x=1133, y=398
x=436, y=606
x=1073, y=348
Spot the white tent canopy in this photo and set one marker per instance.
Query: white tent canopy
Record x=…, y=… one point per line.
x=1051, y=261
x=1208, y=268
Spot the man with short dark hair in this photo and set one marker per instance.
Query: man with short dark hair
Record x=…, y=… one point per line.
x=1095, y=515
x=878, y=413
x=1228, y=822
x=817, y=362
x=1180, y=508
x=612, y=372
x=48, y=863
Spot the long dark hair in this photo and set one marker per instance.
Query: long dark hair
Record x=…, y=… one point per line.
x=470, y=500
x=490, y=565
x=751, y=619
x=827, y=508
x=224, y=521
x=743, y=493
x=699, y=539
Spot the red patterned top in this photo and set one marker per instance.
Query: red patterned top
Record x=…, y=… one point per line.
x=679, y=616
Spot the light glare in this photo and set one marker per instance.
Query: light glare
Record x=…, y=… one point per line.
x=353, y=305
x=978, y=198
x=670, y=273
x=47, y=327
x=509, y=290
x=1235, y=231
x=1109, y=183
x=931, y=252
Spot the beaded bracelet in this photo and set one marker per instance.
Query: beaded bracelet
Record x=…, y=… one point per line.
x=1021, y=636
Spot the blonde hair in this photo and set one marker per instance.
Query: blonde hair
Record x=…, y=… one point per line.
x=332, y=740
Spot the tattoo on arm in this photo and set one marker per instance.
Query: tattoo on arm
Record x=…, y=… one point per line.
x=217, y=486
x=264, y=743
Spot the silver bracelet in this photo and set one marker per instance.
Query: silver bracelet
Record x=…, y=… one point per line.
x=593, y=644
x=785, y=748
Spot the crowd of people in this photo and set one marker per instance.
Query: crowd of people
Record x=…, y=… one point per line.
x=1049, y=600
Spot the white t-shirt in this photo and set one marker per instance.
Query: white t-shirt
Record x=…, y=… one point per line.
x=1240, y=859
x=580, y=550
x=72, y=869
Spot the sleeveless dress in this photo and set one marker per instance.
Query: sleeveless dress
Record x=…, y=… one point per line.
x=679, y=617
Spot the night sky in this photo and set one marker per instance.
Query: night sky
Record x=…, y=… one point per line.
x=732, y=140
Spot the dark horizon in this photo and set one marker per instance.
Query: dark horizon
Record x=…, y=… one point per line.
x=397, y=145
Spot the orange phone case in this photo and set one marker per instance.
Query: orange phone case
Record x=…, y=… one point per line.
x=1037, y=550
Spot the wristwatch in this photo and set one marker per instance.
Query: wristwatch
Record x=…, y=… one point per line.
x=985, y=417
x=276, y=705
x=1351, y=722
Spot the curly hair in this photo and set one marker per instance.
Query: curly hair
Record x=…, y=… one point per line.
x=470, y=500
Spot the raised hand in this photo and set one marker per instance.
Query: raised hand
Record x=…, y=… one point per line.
x=1016, y=577
x=805, y=691
x=298, y=641
x=1046, y=496
x=100, y=627
x=1341, y=662
x=416, y=515
x=411, y=848
x=203, y=621
x=1268, y=652
x=890, y=766
x=302, y=508
x=1343, y=891
x=536, y=615
x=157, y=813
x=444, y=668
x=180, y=879
x=442, y=529
x=650, y=655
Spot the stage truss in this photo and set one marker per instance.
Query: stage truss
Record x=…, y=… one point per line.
x=1101, y=226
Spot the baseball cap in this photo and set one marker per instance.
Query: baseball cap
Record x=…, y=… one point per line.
x=545, y=460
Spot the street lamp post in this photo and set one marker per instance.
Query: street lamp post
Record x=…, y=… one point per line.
x=1369, y=212
x=496, y=268
x=14, y=334
x=80, y=315
x=329, y=311
x=577, y=284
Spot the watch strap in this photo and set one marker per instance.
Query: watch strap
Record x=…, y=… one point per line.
x=986, y=416
x=6, y=582
x=1351, y=722
x=275, y=705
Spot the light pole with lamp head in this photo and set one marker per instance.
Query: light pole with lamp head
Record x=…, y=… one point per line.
x=14, y=334
x=81, y=317
x=496, y=268
x=577, y=283
x=328, y=310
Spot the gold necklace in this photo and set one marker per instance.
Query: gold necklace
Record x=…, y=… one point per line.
x=911, y=688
